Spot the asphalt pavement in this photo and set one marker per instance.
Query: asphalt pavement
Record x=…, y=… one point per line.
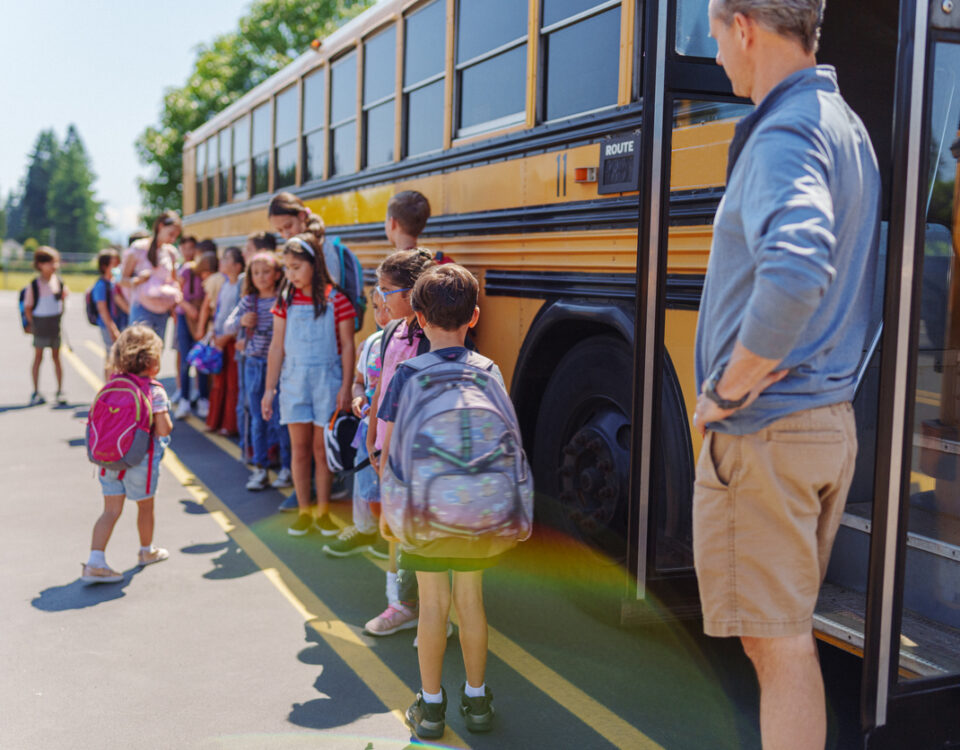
x=250, y=638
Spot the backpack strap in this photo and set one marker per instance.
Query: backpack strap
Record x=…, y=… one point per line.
x=388, y=331
x=35, y=291
x=59, y=295
x=338, y=246
x=423, y=361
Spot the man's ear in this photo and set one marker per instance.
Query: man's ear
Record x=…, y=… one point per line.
x=474, y=318
x=745, y=28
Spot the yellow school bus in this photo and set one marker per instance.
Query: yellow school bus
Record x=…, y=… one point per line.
x=574, y=153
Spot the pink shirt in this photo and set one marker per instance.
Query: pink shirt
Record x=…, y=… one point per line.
x=398, y=350
x=162, y=272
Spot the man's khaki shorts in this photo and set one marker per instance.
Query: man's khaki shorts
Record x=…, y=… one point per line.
x=766, y=508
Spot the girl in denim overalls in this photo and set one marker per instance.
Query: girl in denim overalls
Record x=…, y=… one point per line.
x=311, y=357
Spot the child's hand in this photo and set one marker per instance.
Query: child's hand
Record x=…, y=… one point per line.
x=221, y=341
x=248, y=320
x=385, y=530
x=358, y=403
x=343, y=400
x=241, y=345
x=266, y=406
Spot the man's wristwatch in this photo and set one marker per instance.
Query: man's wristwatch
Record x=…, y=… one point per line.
x=710, y=391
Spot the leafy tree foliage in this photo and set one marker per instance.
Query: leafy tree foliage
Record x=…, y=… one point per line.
x=73, y=211
x=270, y=36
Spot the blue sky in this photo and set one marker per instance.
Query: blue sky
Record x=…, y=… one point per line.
x=102, y=65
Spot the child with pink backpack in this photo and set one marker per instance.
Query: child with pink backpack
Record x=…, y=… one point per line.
x=127, y=431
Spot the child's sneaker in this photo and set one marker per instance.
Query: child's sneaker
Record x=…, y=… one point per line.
x=416, y=638
x=350, y=542
x=392, y=620
x=301, y=526
x=203, y=408
x=284, y=479
x=477, y=712
x=36, y=399
x=183, y=409
x=259, y=480
x=100, y=575
x=326, y=526
x=60, y=399
x=380, y=548
x=155, y=555
x=427, y=719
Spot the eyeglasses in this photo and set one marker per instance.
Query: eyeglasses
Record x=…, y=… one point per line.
x=386, y=294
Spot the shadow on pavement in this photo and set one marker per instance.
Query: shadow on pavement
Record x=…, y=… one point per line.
x=193, y=507
x=15, y=407
x=342, y=698
x=78, y=595
x=80, y=442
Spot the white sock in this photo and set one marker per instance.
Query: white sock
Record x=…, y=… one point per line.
x=98, y=559
x=471, y=692
x=145, y=550
x=393, y=591
x=431, y=697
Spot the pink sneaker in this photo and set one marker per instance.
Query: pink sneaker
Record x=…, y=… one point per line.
x=393, y=619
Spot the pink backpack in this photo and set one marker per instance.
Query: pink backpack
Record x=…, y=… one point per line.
x=120, y=423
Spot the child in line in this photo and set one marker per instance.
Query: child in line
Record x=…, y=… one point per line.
x=104, y=295
x=207, y=268
x=445, y=301
x=136, y=352
x=43, y=307
x=252, y=314
x=185, y=317
x=362, y=535
x=149, y=270
x=224, y=388
x=396, y=276
x=311, y=358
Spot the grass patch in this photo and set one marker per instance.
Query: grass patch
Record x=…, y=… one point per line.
x=76, y=282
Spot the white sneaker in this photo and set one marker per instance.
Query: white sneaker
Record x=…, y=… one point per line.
x=259, y=480
x=284, y=479
x=416, y=643
x=183, y=409
x=177, y=396
x=203, y=408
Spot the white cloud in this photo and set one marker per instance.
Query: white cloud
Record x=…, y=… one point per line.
x=123, y=220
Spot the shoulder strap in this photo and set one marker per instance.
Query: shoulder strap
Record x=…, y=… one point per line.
x=59, y=295
x=423, y=361
x=477, y=360
x=388, y=331
x=35, y=290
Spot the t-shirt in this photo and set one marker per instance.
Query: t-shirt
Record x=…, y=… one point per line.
x=103, y=292
x=191, y=284
x=399, y=349
x=159, y=402
x=226, y=300
x=369, y=364
x=259, y=344
x=163, y=271
x=47, y=305
x=387, y=410
x=342, y=309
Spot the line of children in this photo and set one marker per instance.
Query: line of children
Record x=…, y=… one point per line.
x=224, y=387
x=187, y=315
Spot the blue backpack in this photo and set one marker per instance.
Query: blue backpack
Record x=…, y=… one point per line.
x=351, y=279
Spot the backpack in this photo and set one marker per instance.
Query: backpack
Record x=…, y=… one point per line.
x=93, y=314
x=351, y=279
x=22, y=300
x=120, y=421
x=456, y=466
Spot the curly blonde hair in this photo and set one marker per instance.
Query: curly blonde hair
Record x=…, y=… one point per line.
x=138, y=349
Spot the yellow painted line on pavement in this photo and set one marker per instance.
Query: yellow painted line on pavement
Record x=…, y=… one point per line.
x=94, y=347
x=591, y=712
x=345, y=641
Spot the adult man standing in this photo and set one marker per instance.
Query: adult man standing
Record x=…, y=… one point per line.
x=781, y=331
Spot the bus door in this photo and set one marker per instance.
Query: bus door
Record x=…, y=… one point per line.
x=689, y=116
x=910, y=693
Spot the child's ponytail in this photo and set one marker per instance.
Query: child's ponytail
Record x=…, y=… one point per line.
x=403, y=268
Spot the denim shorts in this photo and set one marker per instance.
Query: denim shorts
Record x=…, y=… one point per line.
x=134, y=481
x=105, y=335
x=308, y=393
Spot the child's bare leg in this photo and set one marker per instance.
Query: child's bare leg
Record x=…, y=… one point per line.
x=57, y=368
x=35, y=368
x=392, y=552
x=145, y=521
x=103, y=528
x=301, y=454
x=468, y=600
x=432, y=628
x=324, y=478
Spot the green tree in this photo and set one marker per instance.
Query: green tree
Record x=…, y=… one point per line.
x=35, y=221
x=3, y=222
x=13, y=212
x=268, y=37
x=74, y=212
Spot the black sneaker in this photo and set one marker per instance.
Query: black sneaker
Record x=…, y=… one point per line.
x=301, y=526
x=326, y=526
x=349, y=542
x=477, y=712
x=427, y=719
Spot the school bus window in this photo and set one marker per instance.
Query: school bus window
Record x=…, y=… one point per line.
x=212, y=148
x=314, y=112
x=201, y=161
x=574, y=31
x=423, y=79
x=693, y=30
x=379, y=92
x=261, y=148
x=223, y=165
x=241, y=158
x=285, y=136
x=343, y=115
x=491, y=64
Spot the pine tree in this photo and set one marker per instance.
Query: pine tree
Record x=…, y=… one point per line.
x=35, y=220
x=73, y=211
x=14, y=213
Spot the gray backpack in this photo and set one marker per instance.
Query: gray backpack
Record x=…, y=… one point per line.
x=456, y=464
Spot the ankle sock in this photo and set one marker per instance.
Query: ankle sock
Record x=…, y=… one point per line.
x=145, y=550
x=431, y=697
x=393, y=591
x=97, y=559
x=474, y=692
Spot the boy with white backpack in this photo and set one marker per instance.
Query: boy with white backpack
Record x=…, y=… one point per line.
x=455, y=487
x=127, y=431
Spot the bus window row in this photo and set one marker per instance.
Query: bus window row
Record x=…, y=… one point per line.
x=305, y=133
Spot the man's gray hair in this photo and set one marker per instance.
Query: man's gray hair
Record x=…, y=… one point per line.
x=800, y=19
